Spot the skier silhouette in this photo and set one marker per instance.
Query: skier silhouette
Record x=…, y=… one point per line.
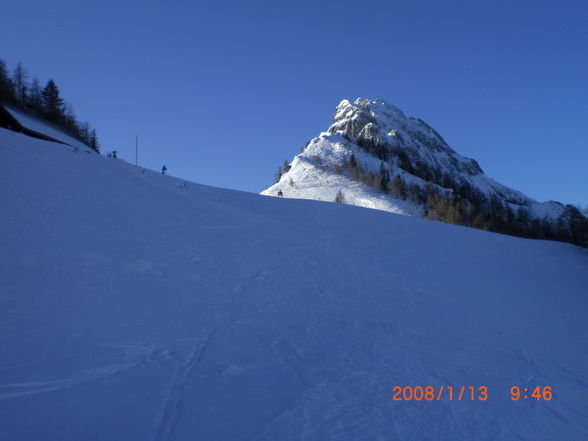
x=280, y=194
x=163, y=170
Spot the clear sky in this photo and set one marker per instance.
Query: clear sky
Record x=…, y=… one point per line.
x=223, y=92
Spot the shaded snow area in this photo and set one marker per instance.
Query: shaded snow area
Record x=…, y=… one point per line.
x=45, y=128
x=136, y=306
x=375, y=122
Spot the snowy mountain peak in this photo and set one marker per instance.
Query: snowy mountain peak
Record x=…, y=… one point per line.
x=380, y=126
x=377, y=109
x=363, y=112
x=375, y=156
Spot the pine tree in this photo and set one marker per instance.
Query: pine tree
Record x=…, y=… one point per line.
x=371, y=179
x=286, y=167
x=404, y=162
x=546, y=229
x=522, y=219
x=398, y=188
x=574, y=225
x=384, y=178
x=355, y=169
x=454, y=213
x=52, y=102
x=339, y=198
x=479, y=221
x=415, y=194
x=19, y=80
x=279, y=174
x=6, y=84
x=85, y=132
x=94, y=141
x=35, y=98
x=71, y=122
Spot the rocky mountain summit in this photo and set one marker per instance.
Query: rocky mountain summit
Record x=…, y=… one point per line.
x=374, y=156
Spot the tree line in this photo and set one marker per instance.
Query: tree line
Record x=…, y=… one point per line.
x=455, y=201
x=43, y=101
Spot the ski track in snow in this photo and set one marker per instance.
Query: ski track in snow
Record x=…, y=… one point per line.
x=169, y=413
x=84, y=377
x=171, y=403
x=136, y=354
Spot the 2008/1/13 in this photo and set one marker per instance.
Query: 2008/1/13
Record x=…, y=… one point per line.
x=428, y=393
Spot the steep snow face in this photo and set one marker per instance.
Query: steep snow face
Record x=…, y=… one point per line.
x=374, y=130
x=135, y=306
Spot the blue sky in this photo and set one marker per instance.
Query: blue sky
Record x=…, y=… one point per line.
x=223, y=92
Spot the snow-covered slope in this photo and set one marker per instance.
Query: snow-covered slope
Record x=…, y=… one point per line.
x=136, y=306
x=374, y=132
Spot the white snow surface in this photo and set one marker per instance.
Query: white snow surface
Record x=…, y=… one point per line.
x=137, y=306
x=376, y=119
x=45, y=128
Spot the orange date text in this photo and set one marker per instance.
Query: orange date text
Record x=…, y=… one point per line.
x=431, y=393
